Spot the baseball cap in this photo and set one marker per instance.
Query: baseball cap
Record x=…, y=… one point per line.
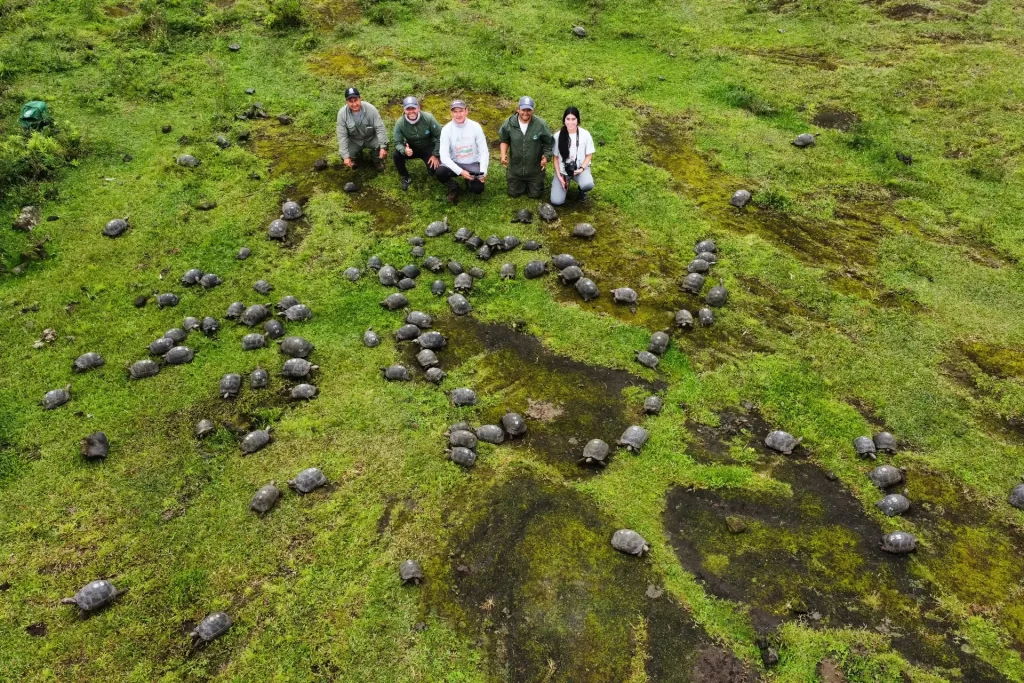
x=458, y=104
x=410, y=101
x=351, y=92
x=526, y=102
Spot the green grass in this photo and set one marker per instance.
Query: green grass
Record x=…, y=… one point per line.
x=863, y=293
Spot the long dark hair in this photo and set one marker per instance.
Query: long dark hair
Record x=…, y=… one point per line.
x=563, y=134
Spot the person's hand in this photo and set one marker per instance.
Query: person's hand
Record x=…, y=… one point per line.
x=383, y=153
x=349, y=162
x=465, y=174
x=504, y=160
x=408, y=151
x=563, y=182
x=543, y=163
x=432, y=162
x=578, y=171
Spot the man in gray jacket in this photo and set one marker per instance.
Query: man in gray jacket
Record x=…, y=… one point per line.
x=361, y=127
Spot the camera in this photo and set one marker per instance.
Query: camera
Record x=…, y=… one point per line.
x=570, y=168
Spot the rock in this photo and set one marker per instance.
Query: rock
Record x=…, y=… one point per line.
x=27, y=219
x=735, y=525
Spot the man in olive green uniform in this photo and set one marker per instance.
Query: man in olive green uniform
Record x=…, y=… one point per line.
x=526, y=144
x=417, y=136
x=361, y=127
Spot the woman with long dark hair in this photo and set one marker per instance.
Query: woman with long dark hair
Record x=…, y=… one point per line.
x=574, y=149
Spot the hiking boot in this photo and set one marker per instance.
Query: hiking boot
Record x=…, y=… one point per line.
x=379, y=164
x=405, y=183
x=583, y=196
x=453, y=195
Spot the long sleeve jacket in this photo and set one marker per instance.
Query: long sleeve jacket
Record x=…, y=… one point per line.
x=525, y=151
x=365, y=129
x=425, y=131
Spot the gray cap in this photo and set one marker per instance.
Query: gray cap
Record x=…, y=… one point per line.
x=526, y=102
x=458, y=104
x=410, y=101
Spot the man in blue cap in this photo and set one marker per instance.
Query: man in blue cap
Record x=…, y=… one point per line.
x=361, y=127
x=526, y=144
x=417, y=136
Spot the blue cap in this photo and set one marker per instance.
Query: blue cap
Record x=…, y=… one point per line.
x=351, y=92
x=410, y=101
x=526, y=102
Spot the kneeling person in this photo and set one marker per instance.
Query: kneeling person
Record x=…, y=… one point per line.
x=574, y=150
x=464, y=153
x=417, y=136
x=361, y=127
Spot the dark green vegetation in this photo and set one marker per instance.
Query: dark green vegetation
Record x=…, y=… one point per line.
x=866, y=292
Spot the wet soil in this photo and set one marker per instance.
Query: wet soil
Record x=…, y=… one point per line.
x=795, y=57
x=565, y=403
x=849, y=241
x=908, y=11
x=997, y=361
x=620, y=255
x=534, y=576
x=814, y=557
x=836, y=119
x=292, y=153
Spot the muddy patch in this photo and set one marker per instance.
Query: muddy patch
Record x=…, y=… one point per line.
x=812, y=558
x=997, y=361
x=566, y=403
x=852, y=237
x=836, y=119
x=908, y=11
x=534, y=577
x=292, y=154
x=620, y=255
x=340, y=64
x=36, y=630
x=795, y=57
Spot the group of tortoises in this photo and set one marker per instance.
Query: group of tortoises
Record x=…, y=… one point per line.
x=883, y=476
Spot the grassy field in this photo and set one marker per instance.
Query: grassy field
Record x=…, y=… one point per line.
x=867, y=291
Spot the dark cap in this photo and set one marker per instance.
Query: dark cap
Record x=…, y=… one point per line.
x=351, y=92
x=458, y=104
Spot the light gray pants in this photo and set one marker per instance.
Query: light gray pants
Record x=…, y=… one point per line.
x=585, y=181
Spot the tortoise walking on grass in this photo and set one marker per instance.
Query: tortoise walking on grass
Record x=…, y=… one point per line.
x=93, y=596
x=781, y=441
x=213, y=626
x=899, y=542
x=410, y=571
x=308, y=480
x=265, y=499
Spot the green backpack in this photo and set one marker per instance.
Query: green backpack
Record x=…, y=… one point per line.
x=35, y=115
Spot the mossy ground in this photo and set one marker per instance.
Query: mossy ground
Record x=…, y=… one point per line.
x=865, y=293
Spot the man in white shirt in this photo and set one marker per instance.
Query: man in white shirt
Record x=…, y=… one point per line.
x=464, y=153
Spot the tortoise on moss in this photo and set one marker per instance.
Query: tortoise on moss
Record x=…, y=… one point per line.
x=209, y=326
x=259, y=379
x=717, y=296
x=584, y=231
x=658, y=343
x=885, y=475
x=159, y=347
x=262, y=287
x=885, y=442
x=291, y=211
x=255, y=440
x=782, y=442
x=462, y=456
x=230, y=385
x=167, y=300
x=740, y=198
x=213, y=626
x=652, y=405
x=634, y=438
x=899, y=542
x=254, y=315
x=371, y=339
x=508, y=271
x=437, y=228
x=706, y=317
x=394, y=302
x=684, y=319
x=462, y=397
x=191, y=277
x=253, y=341
x=410, y=571
x=629, y=542
x=547, y=212
x=179, y=355
x=204, y=428
x=595, y=453
x=693, y=283
x=296, y=347
x=56, y=397
x=513, y=424
x=304, y=392
x=273, y=329
x=535, y=269
x=864, y=447
x=624, y=295
x=435, y=375
x=647, y=359
x=438, y=288
x=893, y=504
x=459, y=305
x=298, y=368
x=93, y=596
x=116, y=227
x=563, y=261
x=492, y=434
x=462, y=437
x=587, y=289
x=407, y=333
x=523, y=216
x=298, y=313
x=570, y=275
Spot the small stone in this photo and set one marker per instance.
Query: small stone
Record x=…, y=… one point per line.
x=735, y=525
